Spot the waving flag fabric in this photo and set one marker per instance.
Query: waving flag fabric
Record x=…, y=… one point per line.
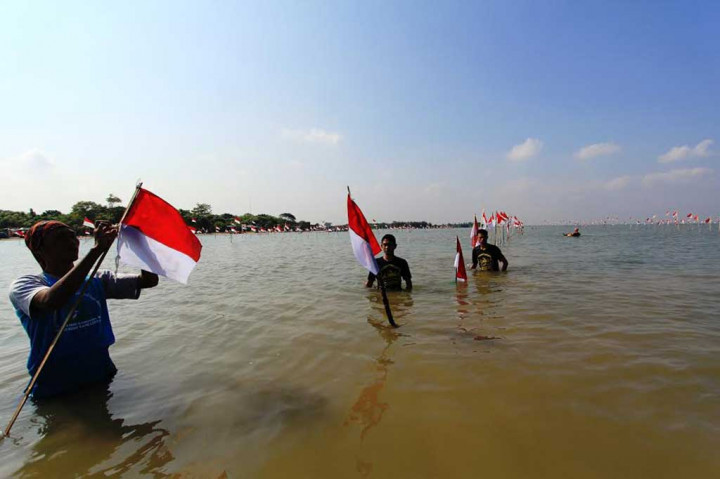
x=364, y=244
x=88, y=224
x=154, y=237
x=460, y=272
x=474, y=233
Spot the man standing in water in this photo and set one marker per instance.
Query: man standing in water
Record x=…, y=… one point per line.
x=392, y=268
x=42, y=302
x=486, y=257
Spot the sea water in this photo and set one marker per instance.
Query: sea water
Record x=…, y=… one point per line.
x=590, y=357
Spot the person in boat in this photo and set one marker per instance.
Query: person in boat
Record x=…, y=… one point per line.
x=576, y=232
x=487, y=257
x=43, y=301
x=393, y=269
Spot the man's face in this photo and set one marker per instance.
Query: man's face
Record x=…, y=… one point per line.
x=388, y=246
x=61, y=245
x=482, y=239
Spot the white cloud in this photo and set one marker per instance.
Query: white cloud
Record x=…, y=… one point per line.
x=34, y=163
x=678, y=153
x=313, y=135
x=596, y=149
x=525, y=150
x=435, y=188
x=675, y=176
x=618, y=183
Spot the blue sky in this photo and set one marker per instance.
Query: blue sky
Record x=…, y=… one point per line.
x=428, y=110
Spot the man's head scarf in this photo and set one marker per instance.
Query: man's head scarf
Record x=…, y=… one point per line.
x=35, y=236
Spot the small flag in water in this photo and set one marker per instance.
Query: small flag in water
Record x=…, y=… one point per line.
x=364, y=244
x=88, y=224
x=154, y=237
x=460, y=272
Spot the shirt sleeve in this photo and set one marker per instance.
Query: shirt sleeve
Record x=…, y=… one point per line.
x=23, y=290
x=120, y=286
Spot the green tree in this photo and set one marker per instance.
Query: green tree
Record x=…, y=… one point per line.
x=288, y=217
x=112, y=200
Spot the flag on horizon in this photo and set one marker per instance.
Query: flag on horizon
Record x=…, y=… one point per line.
x=88, y=224
x=154, y=237
x=474, y=233
x=363, y=241
x=460, y=272
x=484, y=218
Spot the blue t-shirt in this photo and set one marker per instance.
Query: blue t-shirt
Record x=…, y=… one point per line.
x=81, y=355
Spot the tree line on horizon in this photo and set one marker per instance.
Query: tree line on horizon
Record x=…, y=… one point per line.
x=200, y=217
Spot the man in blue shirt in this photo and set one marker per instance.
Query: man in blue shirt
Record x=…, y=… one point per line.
x=42, y=302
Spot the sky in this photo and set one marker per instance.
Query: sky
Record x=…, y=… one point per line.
x=551, y=111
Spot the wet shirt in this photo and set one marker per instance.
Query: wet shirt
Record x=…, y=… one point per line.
x=81, y=354
x=392, y=272
x=487, y=259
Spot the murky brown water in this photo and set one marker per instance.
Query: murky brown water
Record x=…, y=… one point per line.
x=592, y=357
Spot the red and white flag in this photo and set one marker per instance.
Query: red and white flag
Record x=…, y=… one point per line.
x=364, y=244
x=193, y=229
x=88, y=224
x=491, y=221
x=474, y=233
x=460, y=272
x=154, y=237
x=484, y=218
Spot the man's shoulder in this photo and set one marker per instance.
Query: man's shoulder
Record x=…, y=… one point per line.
x=24, y=288
x=28, y=280
x=399, y=260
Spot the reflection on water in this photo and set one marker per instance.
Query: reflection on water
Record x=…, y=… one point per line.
x=82, y=420
x=596, y=360
x=368, y=409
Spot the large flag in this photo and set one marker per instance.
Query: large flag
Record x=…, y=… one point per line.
x=154, y=237
x=460, y=272
x=364, y=244
x=474, y=234
x=88, y=224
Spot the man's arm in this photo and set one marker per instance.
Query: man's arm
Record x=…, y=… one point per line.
x=370, y=280
x=407, y=276
x=58, y=294
x=504, y=261
x=474, y=258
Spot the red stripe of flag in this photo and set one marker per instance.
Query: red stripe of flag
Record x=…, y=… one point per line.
x=157, y=219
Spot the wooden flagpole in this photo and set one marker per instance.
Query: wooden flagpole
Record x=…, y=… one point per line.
x=50, y=349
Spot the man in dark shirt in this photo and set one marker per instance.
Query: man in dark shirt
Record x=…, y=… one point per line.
x=392, y=268
x=486, y=257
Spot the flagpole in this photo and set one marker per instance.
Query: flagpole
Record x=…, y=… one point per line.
x=386, y=303
x=29, y=388
x=381, y=285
